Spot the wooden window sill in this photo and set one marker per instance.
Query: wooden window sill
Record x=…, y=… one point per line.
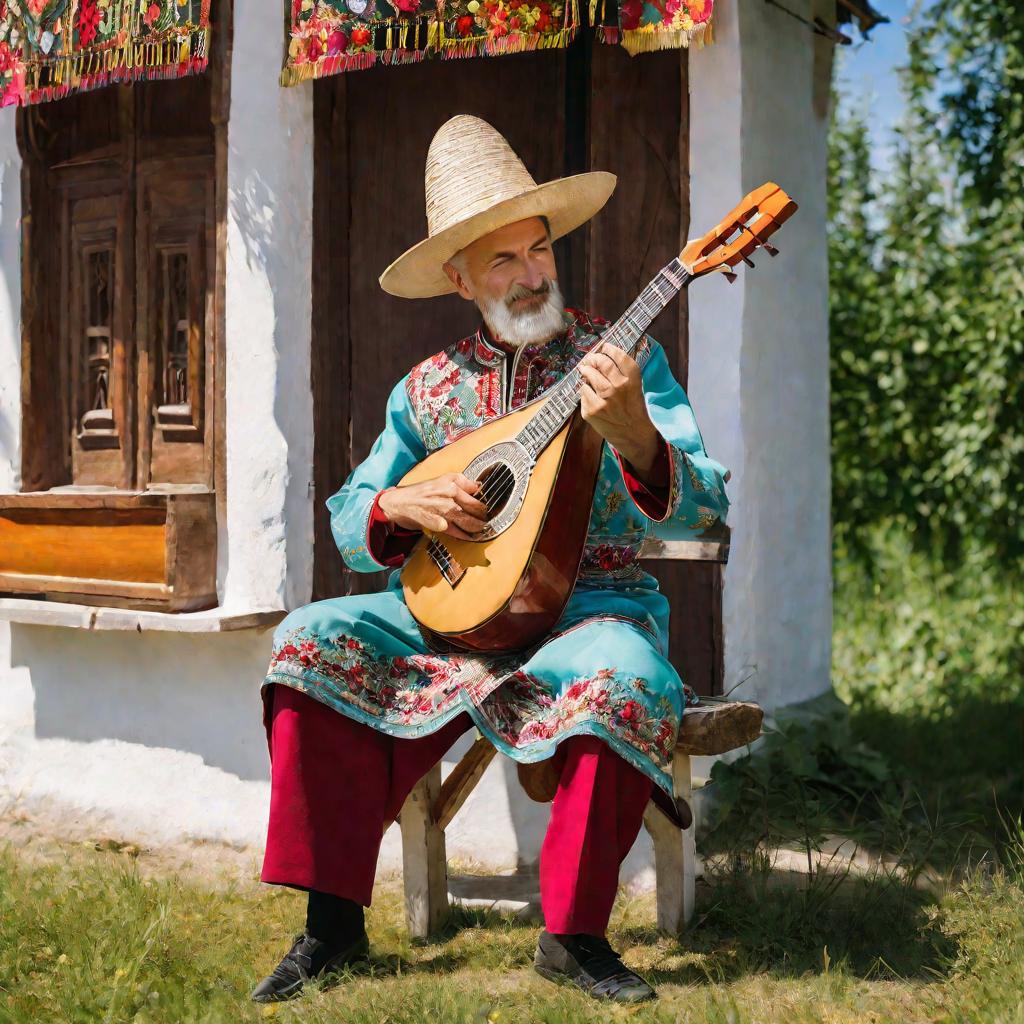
x=30, y=612
x=155, y=550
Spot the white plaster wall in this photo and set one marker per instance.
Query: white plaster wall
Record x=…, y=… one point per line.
x=10, y=305
x=10, y=335
x=265, y=545
x=759, y=351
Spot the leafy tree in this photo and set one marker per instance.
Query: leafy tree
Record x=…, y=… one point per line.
x=927, y=304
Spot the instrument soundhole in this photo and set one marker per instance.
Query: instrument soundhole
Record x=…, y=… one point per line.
x=498, y=482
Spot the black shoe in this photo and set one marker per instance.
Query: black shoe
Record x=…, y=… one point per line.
x=589, y=962
x=307, y=959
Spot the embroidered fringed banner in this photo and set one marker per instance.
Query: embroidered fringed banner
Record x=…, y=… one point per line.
x=329, y=36
x=645, y=25
x=50, y=48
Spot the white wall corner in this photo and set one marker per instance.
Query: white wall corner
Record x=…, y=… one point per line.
x=759, y=351
x=10, y=351
x=266, y=544
x=10, y=305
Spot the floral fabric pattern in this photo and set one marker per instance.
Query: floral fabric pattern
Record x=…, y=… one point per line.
x=525, y=703
x=50, y=48
x=645, y=25
x=329, y=36
x=460, y=388
x=525, y=713
x=326, y=37
x=405, y=691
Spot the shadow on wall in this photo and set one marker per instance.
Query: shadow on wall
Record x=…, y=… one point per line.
x=196, y=693
x=269, y=316
x=10, y=283
x=7, y=439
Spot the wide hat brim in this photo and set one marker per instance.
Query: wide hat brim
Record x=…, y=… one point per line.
x=566, y=202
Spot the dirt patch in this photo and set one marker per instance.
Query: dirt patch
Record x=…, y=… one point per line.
x=50, y=835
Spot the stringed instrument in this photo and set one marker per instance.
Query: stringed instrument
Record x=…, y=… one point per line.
x=538, y=466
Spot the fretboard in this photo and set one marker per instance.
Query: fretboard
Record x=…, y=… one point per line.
x=562, y=400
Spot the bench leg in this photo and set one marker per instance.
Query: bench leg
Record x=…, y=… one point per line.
x=424, y=862
x=674, y=856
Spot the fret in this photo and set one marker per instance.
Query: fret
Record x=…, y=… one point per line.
x=625, y=334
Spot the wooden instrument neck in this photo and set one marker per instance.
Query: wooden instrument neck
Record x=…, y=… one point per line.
x=564, y=398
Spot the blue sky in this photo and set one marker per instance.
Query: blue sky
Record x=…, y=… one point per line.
x=867, y=71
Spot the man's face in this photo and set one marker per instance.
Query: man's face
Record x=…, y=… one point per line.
x=511, y=275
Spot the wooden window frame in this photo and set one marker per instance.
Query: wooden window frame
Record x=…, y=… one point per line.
x=60, y=484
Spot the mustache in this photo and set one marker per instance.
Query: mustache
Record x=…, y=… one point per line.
x=520, y=291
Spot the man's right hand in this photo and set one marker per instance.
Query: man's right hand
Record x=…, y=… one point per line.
x=445, y=504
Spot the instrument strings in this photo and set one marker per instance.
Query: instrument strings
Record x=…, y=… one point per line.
x=624, y=334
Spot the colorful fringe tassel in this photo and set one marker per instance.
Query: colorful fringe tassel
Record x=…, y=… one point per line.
x=74, y=45
x=331, y=36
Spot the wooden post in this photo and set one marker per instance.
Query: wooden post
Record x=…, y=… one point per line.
x=424, y=861
x=674, y=856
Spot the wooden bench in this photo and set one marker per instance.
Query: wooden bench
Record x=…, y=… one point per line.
x=711, y=727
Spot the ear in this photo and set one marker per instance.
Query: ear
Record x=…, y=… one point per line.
x=458, y=280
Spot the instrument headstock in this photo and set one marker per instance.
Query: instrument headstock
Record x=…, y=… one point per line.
x=755, y=218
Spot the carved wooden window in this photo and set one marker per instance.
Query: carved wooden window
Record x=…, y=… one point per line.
x=121, y=191
x=120, y=288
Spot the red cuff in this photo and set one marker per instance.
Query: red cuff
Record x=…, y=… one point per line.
x=387, y=543
x=652, y=501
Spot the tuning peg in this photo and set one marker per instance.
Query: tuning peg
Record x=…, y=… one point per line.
x=748, y=262
x=770, y=249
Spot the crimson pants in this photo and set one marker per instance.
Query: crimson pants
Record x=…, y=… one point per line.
x=337, y=784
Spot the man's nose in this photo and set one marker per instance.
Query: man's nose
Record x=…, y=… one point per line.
x=532, y=277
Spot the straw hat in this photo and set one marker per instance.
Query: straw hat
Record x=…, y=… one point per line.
x=475, y=183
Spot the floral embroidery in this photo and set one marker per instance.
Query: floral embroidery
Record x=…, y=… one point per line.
x=705, y=518
x=330, y=36
x=405, y=691
x=50, y=49
x=460, y=388
x=412, y=691
x=645, y=25
x=617, y=561
x=694, y=479
x=524, y=713
x=504, y=26
x=448, y=396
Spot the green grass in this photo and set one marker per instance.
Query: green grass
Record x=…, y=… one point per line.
x=87, y=938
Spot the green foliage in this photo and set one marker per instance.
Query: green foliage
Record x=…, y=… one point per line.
x=807, y=779
x=927, y=294
x=930, y=660
x=922, y=755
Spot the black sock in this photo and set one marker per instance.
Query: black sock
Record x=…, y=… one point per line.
x=332, y=919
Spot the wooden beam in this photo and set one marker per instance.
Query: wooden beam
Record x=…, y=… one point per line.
x=717, y=728
x=461, y=782
x=675, y=856
x=685, y=550
x=711, y=546
x=424, y=865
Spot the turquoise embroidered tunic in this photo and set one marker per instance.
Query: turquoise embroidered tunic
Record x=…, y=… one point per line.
x=603, y=670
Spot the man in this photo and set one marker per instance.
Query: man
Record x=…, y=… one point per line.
x=358, y=706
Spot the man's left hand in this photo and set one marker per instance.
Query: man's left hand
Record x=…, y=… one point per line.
x=612, y=402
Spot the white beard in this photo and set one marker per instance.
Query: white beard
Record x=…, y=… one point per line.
x=528, y=328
